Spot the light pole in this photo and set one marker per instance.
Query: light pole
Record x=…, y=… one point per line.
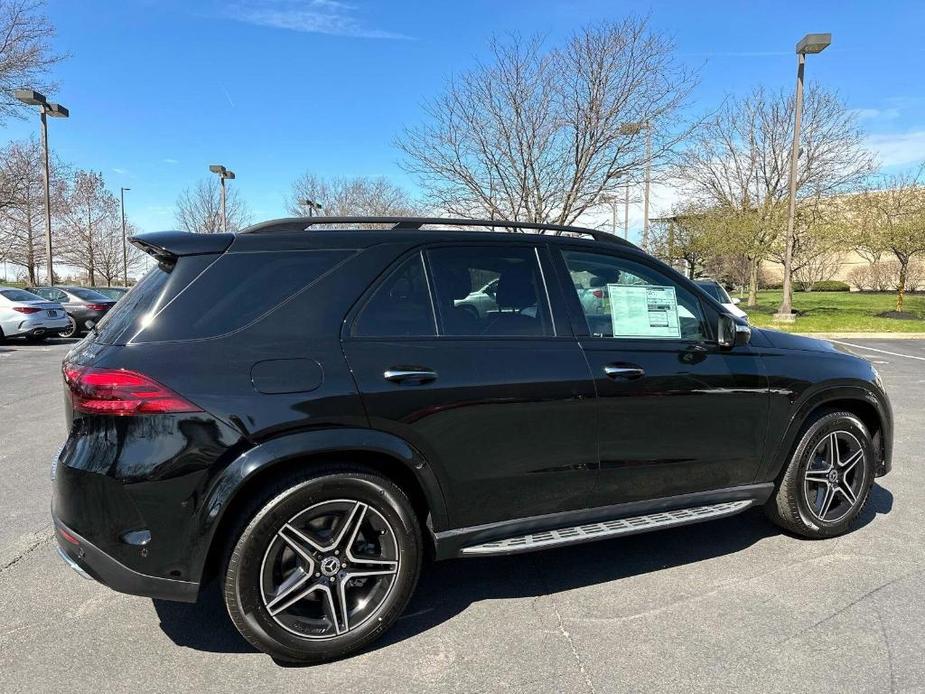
x=223, y=173
x=811, y=43
x=633, y=129
x=312, y=206
x=626, y=212
x=124, y=247
x=33, y=98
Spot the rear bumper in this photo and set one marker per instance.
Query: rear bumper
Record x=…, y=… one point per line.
x=37, y=327
x=91, y=562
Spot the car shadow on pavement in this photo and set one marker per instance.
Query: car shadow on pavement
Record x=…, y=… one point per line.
x=448, y=588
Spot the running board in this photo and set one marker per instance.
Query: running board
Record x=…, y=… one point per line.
x=611, y=528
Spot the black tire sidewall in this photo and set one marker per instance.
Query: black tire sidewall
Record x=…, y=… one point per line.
x=72, y=331
x=825, y=425
x=243, y=573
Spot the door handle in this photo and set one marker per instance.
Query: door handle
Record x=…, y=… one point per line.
x=627, y=372
x=410, y=376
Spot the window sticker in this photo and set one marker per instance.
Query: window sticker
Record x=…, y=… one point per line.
x=645, y=310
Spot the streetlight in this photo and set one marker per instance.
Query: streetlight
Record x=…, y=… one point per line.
x=633, y=129
x=31, y=97
x=124, y=247
x=811, y=43
x=223, y=173
x=312, y=206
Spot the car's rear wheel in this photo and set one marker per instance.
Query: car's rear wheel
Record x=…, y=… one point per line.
x=828, y=478
x=324, y=566
x=71, y=330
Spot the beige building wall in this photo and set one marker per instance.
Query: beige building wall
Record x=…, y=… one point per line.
x=851, y=259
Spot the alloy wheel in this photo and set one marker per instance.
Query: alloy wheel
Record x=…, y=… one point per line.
x=834, y=476
x=329, y=569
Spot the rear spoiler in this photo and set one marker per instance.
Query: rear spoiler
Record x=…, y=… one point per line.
x=167, y=246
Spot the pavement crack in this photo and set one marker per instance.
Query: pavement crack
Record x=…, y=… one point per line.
x=560, y=623
x=28, y=550
x=889, y=649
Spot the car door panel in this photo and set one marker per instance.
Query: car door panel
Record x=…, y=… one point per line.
x=676, y=415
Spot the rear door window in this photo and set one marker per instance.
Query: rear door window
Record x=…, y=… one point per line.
x=495, y=291
x=400, y=306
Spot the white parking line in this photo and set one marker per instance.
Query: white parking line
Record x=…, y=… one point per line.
x=882, y=351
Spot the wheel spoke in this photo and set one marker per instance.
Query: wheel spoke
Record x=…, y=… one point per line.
x=300, y=543
x=817, y=476
x=833, y=457
x=290, y=592
x=350, y=526
x=826, y=501
x=847, y=492
x=335, y=606
x=848, y=465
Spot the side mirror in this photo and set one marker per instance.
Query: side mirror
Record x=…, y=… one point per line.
x=736, y=300
x=730, y=333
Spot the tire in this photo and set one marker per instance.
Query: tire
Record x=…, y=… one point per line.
x=70, y=331
x=799, y=501
x=345, y=524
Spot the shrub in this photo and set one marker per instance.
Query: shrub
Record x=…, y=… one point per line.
x=831, y=286
x=859, y=277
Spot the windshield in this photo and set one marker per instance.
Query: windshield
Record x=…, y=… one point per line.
x=88, y=294
x=20, y=295
x=716, y=291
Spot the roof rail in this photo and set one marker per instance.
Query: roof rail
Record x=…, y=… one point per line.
x=292, y=224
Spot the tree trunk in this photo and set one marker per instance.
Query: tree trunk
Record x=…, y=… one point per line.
x=752, y=282
x=901, y=289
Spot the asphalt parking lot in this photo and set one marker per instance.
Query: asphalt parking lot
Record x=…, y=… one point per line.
x=727, y=605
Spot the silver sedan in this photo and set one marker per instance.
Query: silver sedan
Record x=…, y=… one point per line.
x=23, y=314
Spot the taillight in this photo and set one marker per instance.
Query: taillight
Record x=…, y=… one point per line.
x=599, y=293
x=98, y=307
x=26, y=309
x=121, y=392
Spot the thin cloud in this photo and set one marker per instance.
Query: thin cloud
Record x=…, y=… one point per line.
x=330, y=17
x=168, y=160
x=121, y=172
x=867, y=114
x=898, y=149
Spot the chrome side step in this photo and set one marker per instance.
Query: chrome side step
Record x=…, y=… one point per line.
x=610, y=528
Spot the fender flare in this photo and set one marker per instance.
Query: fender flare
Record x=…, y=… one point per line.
x=812, y=400
x=224, y=489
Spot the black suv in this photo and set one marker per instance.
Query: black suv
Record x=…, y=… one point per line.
x=305, y=413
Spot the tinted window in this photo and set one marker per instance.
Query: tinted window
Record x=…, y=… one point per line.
x=491, y=290
x=19, y=295
x=624, y=299
x=88, y=294
x=236, y=290
x=139, y=304
x=400, y=306
x=716, y=291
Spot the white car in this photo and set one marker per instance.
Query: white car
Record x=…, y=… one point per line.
x=23, y=314
x=718, y=292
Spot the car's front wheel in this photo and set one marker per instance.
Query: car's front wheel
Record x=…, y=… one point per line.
x=324, y=566
x=828, y=478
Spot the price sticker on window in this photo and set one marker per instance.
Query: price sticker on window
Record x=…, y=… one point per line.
x=644, y=310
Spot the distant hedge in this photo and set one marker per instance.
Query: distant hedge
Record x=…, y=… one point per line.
x=830, y=286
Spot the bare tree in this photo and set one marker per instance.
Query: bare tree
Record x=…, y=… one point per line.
x=90, y=215
x=358, y=196
x=199, y=208
x=738, y=160
x=25, y=51
x=891, y=218
x=539, y=135
x=22, y=204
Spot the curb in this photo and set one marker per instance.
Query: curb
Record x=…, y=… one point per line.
x=862, y=336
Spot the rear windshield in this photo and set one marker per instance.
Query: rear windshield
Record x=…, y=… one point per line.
x=88, y=294
x=715, y=290
x=19, y=295
x=236, y=290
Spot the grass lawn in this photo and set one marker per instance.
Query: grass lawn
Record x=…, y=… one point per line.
x=839, y=312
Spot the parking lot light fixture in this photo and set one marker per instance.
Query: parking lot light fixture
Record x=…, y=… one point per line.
x=30, y=97
x=311, y=205
x=811, y=43
x=223, y=174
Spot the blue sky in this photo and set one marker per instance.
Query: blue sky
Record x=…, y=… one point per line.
x=159, y=89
